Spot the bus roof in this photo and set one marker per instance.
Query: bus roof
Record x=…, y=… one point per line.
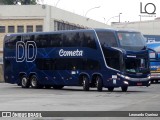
x=78, y=30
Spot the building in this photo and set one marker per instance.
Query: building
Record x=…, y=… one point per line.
x=151, y=27
x=33, y=18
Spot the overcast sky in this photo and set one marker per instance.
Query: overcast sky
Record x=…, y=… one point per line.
x=109, y=10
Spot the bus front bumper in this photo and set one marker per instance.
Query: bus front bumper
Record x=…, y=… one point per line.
x=135, y=81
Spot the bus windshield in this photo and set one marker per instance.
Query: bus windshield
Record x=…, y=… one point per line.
x=134, y=66
x=131, y=40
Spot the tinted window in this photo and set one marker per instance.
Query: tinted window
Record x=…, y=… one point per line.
x=131, y=40
x=72, y=39
x=56, y=40
x=67, y=64
x=42, y=40
x=89, y=40
x=91, y=64
x=113, y=58
x=10, y=41
x=45, y=64
x=107, y=39
x=28, y=38
x=68, y=39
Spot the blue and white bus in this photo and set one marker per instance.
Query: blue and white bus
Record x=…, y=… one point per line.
x=154, y=60
x=90, y=58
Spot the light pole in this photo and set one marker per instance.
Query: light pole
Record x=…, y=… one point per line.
x=57, y=3
x=120, y=17
x=91, y=9
x=140, y=17
x=111, y=18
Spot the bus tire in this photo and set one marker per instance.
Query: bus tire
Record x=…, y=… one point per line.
x=99, y=83
x=34, y=82
x=85, y=82
x=58, y=86
x=25, y=83
x=124, y=88
x=110, y=89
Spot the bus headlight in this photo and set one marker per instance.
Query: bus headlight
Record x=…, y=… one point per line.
x=126, y=77
x=149, y=77
x=125, y=82
x=149, y=82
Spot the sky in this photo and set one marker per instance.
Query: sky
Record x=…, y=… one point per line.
x=108, y=11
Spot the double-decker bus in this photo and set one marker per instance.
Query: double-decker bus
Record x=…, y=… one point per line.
x=90, y=58
x=154, y=60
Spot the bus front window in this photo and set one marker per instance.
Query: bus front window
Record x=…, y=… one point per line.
x=134, y=66
x=131, y=40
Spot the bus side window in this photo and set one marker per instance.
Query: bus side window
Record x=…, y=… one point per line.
x=107, y=39
x=10, y=41
x=91, y=64
x=56, y=40
x=89, y=40
x=28, y=38
x=71, y=39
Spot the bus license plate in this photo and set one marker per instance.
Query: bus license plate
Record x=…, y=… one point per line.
x=139, y=84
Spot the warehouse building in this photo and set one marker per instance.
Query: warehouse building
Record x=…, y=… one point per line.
x=35, y=18
x=150, y=29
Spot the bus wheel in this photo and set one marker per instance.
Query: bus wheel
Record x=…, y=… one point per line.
x=58, y=86
x=34, y=82
x=110, y=89
x=85, y=83
x=99, y=83
x=124, y=88
x=25, y=82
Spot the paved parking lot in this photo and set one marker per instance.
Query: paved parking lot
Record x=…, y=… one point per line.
x=14, y=98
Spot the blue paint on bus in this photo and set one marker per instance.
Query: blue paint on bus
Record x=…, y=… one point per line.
x=154, y=60
x=90, y=58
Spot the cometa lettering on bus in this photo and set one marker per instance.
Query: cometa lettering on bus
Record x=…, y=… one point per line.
x=70, y=53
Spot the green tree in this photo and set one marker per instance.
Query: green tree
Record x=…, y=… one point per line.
x=22, y=2
x=28, y=2
x=8, y=2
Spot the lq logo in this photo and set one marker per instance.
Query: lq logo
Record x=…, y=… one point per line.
x=148, y=8
x=26, y=51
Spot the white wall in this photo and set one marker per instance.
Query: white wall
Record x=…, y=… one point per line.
x=48, y=13
x=146, y=27
x=17, y=11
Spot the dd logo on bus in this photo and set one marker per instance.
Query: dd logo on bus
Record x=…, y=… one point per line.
x=148, y=8
x=26, y=51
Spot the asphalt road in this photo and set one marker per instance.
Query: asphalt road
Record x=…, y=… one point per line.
x=15, y=98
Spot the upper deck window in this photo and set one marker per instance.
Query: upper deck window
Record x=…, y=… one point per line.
x=107, y=39
x=131, y=40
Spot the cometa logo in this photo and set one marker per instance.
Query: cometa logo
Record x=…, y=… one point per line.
x=70, y=53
